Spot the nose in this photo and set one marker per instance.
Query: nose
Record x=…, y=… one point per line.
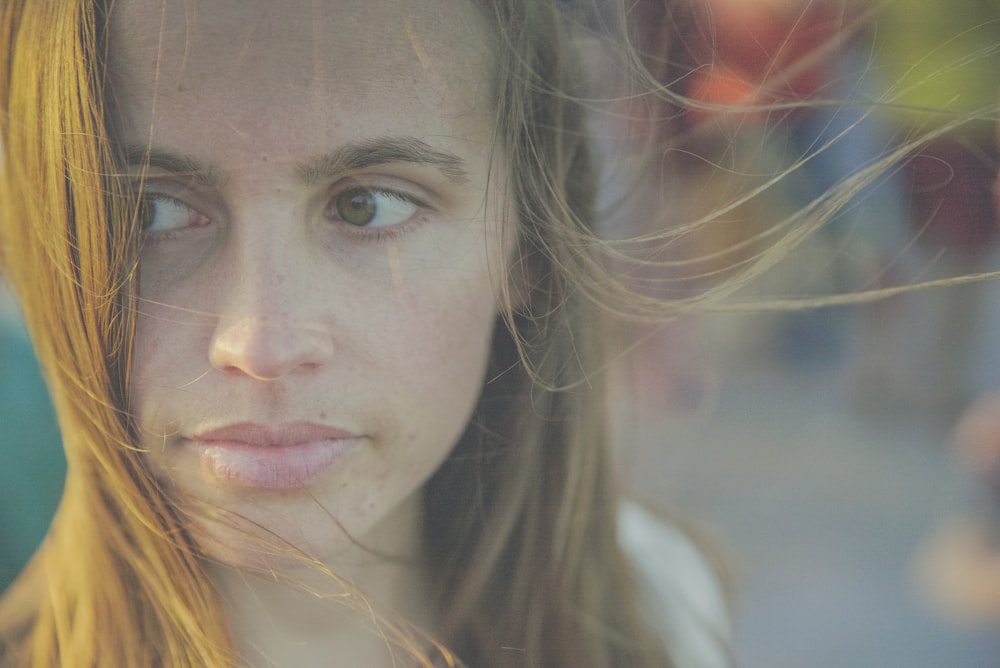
x=266, y=347
x=271, y=321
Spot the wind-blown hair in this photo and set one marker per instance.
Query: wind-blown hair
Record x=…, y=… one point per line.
x=533, y=562
x=520, y=521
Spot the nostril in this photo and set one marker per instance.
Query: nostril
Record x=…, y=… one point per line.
x=251, y=372
x=266, y=349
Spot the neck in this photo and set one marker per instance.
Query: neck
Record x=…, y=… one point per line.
x=333, y=614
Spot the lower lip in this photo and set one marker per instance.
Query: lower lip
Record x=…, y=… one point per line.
x=271, y=467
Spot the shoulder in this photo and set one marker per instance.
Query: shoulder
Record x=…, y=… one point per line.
x=682, y=594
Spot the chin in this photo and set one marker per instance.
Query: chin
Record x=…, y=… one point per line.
x=241, y=543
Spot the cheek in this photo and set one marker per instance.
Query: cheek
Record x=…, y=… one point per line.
x=170, y=355
x=151, y=350
x=445, y=348
x=441, y=341
x=445, y=309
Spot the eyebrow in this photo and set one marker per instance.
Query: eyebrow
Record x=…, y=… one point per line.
x=380, y=151
x=350, y=157
x=201, y=174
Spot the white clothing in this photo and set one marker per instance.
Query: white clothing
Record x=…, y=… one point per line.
x=682, y=595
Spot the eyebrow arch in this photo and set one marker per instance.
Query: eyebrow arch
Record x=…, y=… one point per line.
x=379, y=151
x=199, y=173
x=350, y=157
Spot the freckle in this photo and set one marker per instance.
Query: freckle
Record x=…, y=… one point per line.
x=263, y=158
x=280, y=279
x=322, y=415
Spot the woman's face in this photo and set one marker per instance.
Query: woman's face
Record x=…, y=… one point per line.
x=320, y=257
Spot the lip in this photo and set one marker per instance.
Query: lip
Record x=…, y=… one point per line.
x=283, y=456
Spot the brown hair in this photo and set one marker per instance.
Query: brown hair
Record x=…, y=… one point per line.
x=534, y=563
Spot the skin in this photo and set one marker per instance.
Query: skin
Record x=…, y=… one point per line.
x=260, y=303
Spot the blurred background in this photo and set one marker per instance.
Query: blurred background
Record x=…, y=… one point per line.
x=816, y=450
x=844, y=461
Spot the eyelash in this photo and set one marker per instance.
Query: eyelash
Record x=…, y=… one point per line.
x=376, y=234
x=382, y=234
x=146, y=208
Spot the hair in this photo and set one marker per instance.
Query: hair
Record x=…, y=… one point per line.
x=520, y=522
x=116, y=582
x=521, y=519
x=535, y=559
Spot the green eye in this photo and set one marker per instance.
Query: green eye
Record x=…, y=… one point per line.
x=356, y=206
x=370, y=207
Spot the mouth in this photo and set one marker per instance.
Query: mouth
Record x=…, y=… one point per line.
x=283, y=456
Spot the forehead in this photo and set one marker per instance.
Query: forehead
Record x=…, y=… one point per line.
x=253, y=63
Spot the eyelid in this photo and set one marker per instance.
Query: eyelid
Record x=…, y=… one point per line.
x=387, y=187
x=169, y=185
x=404, y=188
x=197, y=197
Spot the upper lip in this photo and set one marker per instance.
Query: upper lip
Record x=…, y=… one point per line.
x=286, y=434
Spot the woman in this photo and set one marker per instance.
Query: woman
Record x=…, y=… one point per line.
x=312, y=288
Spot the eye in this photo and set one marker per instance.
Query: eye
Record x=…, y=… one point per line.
x=161, y=213
x=370, y=207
